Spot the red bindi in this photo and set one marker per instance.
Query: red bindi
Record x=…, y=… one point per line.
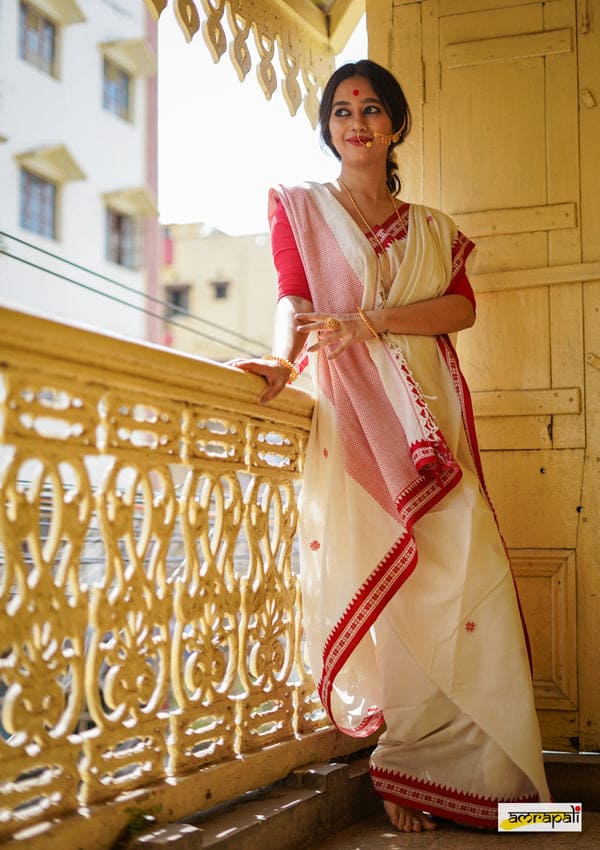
x=355, y=92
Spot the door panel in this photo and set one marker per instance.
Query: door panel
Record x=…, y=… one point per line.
x=536, y=495
x=546, y=580
x=509, y=346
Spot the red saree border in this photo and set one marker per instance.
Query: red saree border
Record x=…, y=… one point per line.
x=439, y=800
x=385, y=580
x=422, y=494
x=466, y=407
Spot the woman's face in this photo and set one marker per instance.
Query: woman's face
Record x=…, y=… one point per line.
x=356, y=112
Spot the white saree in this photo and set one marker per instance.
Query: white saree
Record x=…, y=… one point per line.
x=410, y=609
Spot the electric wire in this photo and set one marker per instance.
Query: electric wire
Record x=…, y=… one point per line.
x=128, y=304
x=162, y=302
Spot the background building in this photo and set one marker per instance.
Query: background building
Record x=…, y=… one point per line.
x=78, y=124
x=226, y=285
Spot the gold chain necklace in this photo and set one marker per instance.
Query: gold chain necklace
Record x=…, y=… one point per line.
x=387, y=283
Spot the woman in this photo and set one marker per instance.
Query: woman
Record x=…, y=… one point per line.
x=410, y=609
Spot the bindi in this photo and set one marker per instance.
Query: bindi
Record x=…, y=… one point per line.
x=355, y=92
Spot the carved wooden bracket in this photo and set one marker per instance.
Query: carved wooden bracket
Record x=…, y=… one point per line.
x=301, y=40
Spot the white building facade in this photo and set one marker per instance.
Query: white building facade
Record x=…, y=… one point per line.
x=78, y=135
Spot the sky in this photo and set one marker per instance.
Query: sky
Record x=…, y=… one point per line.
x=221, y=144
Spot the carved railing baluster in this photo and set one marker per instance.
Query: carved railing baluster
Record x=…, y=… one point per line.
x=151, y=606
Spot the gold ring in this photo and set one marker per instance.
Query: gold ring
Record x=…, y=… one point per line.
x=331, y=324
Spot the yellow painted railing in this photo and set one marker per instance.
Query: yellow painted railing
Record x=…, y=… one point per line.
x=150, y=637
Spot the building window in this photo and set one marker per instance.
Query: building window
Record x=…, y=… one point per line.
x=124, y=239
x=116, y=90
x=178, y=299
x=220, y=288
x=37, y=38
x=38, y=204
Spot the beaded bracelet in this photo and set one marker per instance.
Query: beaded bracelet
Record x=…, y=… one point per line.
x=368, y=322
x=284, y=362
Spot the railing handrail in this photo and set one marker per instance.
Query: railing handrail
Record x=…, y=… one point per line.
x=36, y=334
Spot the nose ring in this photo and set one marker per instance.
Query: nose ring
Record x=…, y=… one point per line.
x=368, y=144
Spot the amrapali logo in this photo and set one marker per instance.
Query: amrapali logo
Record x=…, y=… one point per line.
x=539, y=817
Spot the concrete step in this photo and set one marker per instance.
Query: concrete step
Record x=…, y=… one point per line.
x=574, y=777
x=323, y=799
x=315, y=800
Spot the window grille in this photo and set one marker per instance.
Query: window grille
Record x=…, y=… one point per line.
x=116, y=87
x=37, y=39
x=124, y=239
x=38, y=204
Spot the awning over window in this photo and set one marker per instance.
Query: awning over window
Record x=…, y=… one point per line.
x=53, y=163
x=139, y=201
x=304, y=35
x=134, y=55
x=62, y=12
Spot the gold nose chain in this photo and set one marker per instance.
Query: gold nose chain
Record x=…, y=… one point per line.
x=387, y=282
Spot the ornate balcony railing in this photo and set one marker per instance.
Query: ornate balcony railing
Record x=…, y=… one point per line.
x=151, y=648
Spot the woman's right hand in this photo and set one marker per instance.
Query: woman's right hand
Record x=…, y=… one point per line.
x=275, y=374
x=350, y=330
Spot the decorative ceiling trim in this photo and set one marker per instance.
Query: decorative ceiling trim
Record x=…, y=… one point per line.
x=296, y=34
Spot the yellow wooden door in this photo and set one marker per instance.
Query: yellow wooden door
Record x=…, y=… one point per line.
x=497, y=88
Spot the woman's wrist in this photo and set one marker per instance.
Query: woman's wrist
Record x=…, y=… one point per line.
x=367, y=318
x=283, y=361
x=380, y=319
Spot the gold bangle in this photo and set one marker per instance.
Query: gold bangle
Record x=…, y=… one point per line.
x=284, y=362
x=368, y=323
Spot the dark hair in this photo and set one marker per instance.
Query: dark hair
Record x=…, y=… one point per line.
x=388, y=90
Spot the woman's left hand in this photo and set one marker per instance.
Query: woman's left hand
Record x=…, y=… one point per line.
x=338, y=330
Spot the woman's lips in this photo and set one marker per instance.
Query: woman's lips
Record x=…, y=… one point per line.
x=360, y=141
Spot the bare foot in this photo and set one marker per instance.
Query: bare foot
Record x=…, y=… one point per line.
x=408, y=820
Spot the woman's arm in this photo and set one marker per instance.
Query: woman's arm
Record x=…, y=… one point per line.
x=444, y=315
x=287, y=341
x=287, y=344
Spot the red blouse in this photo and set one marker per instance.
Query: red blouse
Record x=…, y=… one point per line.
x=291, y=277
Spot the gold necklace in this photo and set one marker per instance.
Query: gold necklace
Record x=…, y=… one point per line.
x=387, y=283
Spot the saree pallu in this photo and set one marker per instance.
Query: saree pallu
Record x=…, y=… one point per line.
x=410, y=610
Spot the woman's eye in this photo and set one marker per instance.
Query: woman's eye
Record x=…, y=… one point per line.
x=371, y=110
x=341, y=112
